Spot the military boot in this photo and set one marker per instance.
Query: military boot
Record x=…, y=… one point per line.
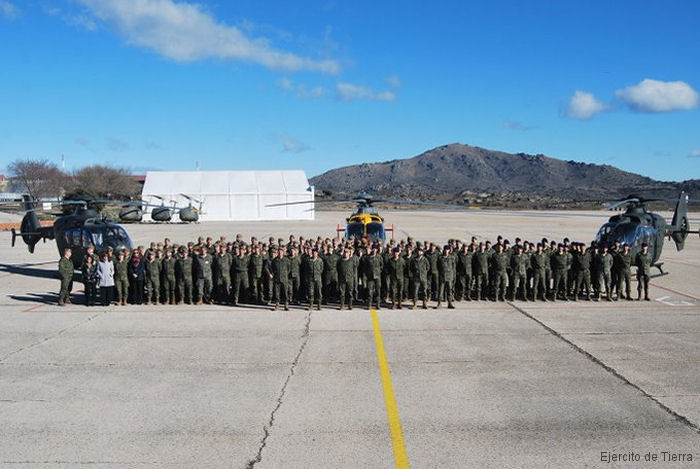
x=425, y=305
x=350, y=305
x=379, y=304
x=414, y=304
x=393, y=304
x=399, y=305
x=342, y=306
x=438, y=305
x=277, y=306
x=310, y=305
x=318, y=306
x=369, y=304
x=450, y=305
x=286, y=306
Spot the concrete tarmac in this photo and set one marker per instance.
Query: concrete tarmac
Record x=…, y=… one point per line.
x=516, y=384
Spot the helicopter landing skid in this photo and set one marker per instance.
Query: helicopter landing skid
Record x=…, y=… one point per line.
x=661, y=271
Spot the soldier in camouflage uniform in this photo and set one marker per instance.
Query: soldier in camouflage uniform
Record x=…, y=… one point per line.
x=394, y=269
x=447, y=271
x=313, y=278
x=499, y=267
x=538, y=262
x=464, y=272
x=202, y=265
x=420, y=273
x=330, y=273
x=582, y=268
x=373, y=275
x=604, y=262
x=183, y=277
x=408, y=273
x=433, y=255
x=559, y=262
x=152, y=278
x=624, y=274
x=168, y=277
x=121, y=278
x=643, y=263
x=240, y=274
x=221, y=269
x=519, y=263
x=294, y=275
x=481, y=271
x=255, y=274
x=347, y=274
x=279, y=274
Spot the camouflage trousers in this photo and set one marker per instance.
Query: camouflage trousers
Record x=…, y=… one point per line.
x=121, y=285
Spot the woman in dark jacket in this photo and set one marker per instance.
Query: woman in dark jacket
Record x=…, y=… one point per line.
x=90, y=281
x=137, y=274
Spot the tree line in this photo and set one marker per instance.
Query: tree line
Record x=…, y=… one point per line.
x=41, y=178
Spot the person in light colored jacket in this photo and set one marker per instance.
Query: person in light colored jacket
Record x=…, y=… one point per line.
x=105, y=274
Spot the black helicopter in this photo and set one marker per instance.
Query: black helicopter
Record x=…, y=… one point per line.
x=82, y=227
x=636, y=226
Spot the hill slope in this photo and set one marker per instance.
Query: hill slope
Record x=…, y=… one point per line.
x=461, y=171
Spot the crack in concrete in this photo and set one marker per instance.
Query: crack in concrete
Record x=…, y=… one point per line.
x=46, y=339
x=680, y=418
x=268, y=427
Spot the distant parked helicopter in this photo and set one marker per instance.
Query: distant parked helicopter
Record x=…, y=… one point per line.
x=164, y=213
x=77, y=230
x=365, y=221
x=190, y=214
x=637, y=225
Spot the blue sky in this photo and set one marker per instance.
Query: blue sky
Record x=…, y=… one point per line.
x=164, y=84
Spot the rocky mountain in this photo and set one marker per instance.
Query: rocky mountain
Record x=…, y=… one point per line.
x=468, y=174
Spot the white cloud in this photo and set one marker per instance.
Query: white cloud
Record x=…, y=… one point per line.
x=186, y=32
x=292, y=145
x=81, y=20
x=583, y=105
x=659, y=96
x=394, y=81
x=350, y=92
x=301, y=90
x=285, y=83
x=514, y=125
x=118, y=145
x=8, y=10
x=694, y=154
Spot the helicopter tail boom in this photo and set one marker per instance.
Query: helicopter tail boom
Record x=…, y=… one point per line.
x=679, y=226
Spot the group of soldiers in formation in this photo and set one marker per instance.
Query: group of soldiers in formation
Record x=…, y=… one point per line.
x=321, y=271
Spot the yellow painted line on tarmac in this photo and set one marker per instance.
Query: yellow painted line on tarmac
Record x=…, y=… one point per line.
x=392, y=410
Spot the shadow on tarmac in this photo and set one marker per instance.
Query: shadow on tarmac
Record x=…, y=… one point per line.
x=28, y=270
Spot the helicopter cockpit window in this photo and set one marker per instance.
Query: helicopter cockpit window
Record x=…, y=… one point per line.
x=97, y=239
x=625, y=233
x=604, y=231
x=355, y=230
x=375, y=230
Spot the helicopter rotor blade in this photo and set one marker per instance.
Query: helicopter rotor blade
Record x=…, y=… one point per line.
x=302, y=202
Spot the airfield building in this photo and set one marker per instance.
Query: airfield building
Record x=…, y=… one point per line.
x=232, y=195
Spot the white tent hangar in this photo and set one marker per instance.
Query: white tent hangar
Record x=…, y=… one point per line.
x=233, y=195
